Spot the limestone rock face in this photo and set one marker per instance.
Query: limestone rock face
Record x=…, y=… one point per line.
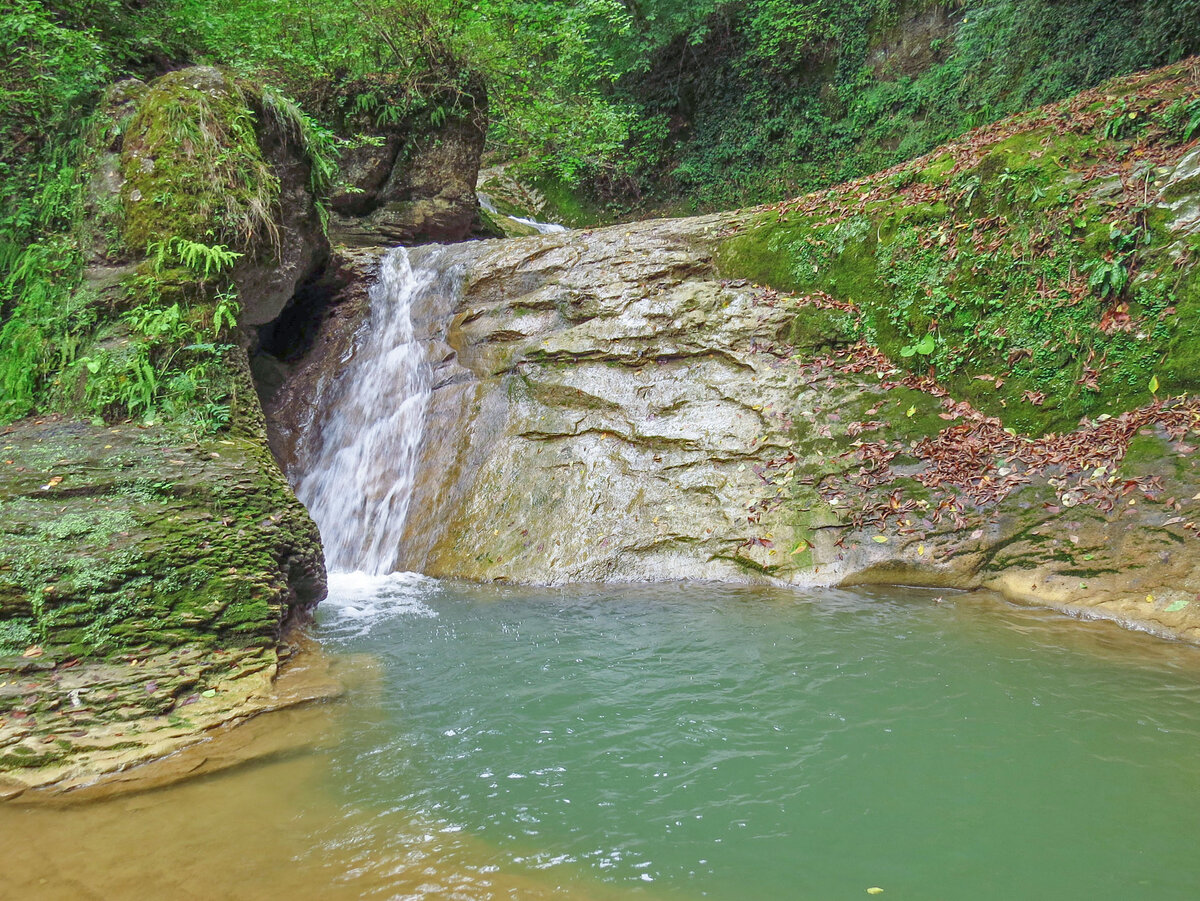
x=607, y=407
x=268, y=284
x=604, y=402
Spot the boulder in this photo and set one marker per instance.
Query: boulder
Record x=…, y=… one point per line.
x=209, y=159
x=413, y=189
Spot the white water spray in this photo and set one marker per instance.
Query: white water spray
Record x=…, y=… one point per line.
x=359, y=483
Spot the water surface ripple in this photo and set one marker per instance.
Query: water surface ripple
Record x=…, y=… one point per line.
x=703, y=741
x=678, y=742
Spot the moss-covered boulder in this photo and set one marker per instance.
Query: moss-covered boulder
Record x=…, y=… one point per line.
x=149, y=538
x=123, y=537
x=149, y=579
x=408, y=174
x=213, y=161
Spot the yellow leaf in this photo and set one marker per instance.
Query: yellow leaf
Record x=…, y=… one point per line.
x=882, y=539
x=874, y=890
x=921, y=550
x=1154, y=384
x=911, y=411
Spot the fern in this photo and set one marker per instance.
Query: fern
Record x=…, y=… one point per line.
x=226, y=312
x=205, y=260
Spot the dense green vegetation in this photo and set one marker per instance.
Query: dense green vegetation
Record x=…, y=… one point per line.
x=721, y=103
x=1028, y=268
x=634, y=103
x=780, y=97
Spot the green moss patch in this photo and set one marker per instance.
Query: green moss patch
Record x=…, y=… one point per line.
x=115, y=539
x=1023, y=267
x=193, y=166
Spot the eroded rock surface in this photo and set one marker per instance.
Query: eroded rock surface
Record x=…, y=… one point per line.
x=412, y=186
x=607, y=407
x=146, y=579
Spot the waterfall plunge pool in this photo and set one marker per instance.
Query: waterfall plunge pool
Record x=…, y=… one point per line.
x=678, y=742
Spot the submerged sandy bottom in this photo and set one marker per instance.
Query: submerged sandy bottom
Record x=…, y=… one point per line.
x=263, y=830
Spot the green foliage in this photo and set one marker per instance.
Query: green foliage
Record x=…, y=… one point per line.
x=795, y=96
x=299, y=45
x=1183, y=118
x=170, y=360
x=924, y=347
x=16, y=635
x=51, y=75
x=1014, y=281
x=318, y=143
x=724, y=103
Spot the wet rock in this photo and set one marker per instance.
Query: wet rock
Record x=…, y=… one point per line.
x=608, y=407
x=293, y=408
x=149, y=709
x=413, y=189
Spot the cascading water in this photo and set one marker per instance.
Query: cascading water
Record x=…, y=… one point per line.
x=358, y=483
x=542, y=228
x=357, y=474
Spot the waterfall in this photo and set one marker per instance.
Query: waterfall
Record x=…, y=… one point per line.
x=542, y=228
x=358, y=483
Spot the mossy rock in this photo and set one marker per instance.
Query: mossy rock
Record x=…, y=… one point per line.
x=148, y=538
x=193, y=167
x=1052, y=290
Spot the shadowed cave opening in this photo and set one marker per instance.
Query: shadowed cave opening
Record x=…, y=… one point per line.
x=278, y=348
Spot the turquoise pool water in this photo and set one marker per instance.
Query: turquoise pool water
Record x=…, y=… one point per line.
x=679, y=742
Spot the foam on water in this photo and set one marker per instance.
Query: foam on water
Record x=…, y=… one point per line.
x=359, y=600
